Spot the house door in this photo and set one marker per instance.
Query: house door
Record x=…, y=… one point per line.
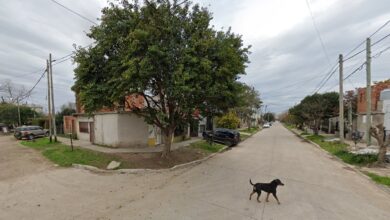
x=91, y=132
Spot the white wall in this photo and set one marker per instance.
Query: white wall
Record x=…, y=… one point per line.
x=133, y=131
x=120, y=130
x=106, y=129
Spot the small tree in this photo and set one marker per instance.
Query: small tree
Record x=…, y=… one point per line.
x=229, y=120
x=379, y=134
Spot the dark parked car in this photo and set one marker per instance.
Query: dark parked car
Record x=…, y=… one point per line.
x=225, y=136
x=30, y=132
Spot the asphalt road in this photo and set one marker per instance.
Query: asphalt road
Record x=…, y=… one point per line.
x=316, y=187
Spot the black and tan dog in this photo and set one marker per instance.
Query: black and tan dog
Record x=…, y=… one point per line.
x=266, y=187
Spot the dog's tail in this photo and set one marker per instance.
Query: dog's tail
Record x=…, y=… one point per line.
x=250, y=181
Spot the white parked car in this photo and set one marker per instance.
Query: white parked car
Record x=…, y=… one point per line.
x=266, y=125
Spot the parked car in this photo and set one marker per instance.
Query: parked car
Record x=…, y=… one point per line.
x=30, y=132
x=266, y=125
x=225, y=136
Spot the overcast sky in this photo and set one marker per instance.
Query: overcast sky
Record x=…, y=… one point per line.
x=287, y=59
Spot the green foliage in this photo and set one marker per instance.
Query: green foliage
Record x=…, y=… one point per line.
x=62, y=155
x=269, y=116
x=248, y=103
x=384, y=180
x=166, y=52
x=204, y=145
x=340, y=150
x=229, y=120
x=9, y=114
x=314, y=108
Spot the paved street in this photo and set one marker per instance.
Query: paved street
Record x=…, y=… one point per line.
x=316, y=187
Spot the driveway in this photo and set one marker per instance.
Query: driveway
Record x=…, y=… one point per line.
x=316, y=187
x=17, y=161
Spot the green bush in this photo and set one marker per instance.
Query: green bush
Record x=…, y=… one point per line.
x=229, y=120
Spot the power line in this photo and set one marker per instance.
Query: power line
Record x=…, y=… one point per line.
x=40, y=78
x=74, y=12
x=318, y=32
x=354, y=55
x=380, y=52
x=26, y=74
x=378, y=41
x=356, y=70
x=70, y=54
x=362, y=43
x=62, y=61
x=326, y=78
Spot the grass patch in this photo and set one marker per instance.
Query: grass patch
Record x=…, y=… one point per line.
x=384, y=180
x=250, y=130
x=340, y=150
x=62, y=155
x=204, y=145
x=305, y=133
x=243, y=137
x=289, y=126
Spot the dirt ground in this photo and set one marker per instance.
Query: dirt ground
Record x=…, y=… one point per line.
x=18, y=161
x=154, y=160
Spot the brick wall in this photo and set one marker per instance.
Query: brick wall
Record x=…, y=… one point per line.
x=375, y=93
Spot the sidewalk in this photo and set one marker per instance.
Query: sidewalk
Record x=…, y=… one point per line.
x=90, y=146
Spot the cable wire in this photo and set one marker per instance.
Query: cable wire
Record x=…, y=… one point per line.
x=318, y=32
x=74, y=12
x=378, y=41
x=40, y=78
x=362, y=43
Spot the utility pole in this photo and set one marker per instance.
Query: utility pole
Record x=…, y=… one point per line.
x=20, y=121
x=368, y=91
x=49, y=98
x=52, y=100
x=350, y=125
x=341, y=100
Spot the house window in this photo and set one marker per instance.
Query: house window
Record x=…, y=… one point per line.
x=83, y=127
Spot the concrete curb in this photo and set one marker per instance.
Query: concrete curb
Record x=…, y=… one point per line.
x=354, y=168
x=138, y=171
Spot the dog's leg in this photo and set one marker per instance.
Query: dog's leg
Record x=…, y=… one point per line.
x=267, y=197
x=258, y=196
x=250, y=196
x=274, y=194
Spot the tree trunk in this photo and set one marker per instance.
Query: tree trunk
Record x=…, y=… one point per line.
x=382, y=154
x=315, y=127
x=248, y=120
x=379, y=134
x=167, y=143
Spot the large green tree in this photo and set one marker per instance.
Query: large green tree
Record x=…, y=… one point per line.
x=166, y=52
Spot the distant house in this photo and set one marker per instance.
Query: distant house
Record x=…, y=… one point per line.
x=377, y=108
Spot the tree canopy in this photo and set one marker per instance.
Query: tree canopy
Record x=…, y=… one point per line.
x=314, y=108
x=166, y=52
x=9, y=114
